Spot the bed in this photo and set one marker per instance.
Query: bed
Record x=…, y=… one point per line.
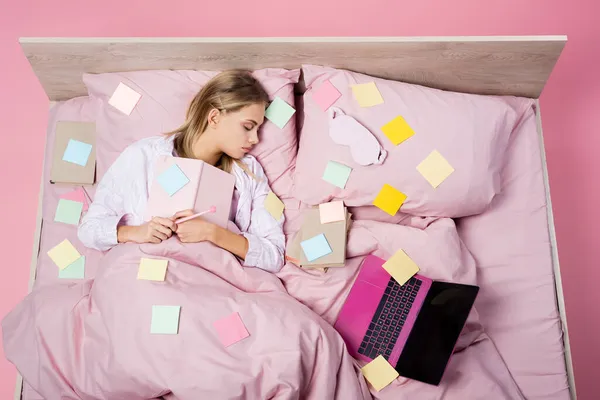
x=531, y=341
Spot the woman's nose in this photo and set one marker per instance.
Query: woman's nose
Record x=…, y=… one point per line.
x=254, y=137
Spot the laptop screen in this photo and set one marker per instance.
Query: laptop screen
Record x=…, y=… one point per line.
x=435, y=332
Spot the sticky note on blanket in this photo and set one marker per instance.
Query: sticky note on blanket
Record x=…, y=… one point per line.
x=75, y=270
x=172, y=179
x=401, y=267
x=151, y=269
x=337, y=174
x=77, y=152
x=326, y=95
x=68, y=212
x=279, y=112
x=367, y=94
x=435, y=168
x=389, y=199
x=316, y=247
x=274, y=206
x=231, y=329
x=332, y=212
x=165, y=320
x=379, y=373
x=77, y=195
x=64, y=254
x=397, y=130
x=124, y=99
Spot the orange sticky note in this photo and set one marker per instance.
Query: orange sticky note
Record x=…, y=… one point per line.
x=401, y=267
x=389, y=199
x=397, y=130
x=379, y=373
x=435, y=168
x=367, y=94
x=152, y=269
x=64, y=254
x=274, y=206
x=332, y=212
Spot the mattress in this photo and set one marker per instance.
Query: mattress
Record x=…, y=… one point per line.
x=510, y=243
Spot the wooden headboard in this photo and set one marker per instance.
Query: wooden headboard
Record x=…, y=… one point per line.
x=486, y=65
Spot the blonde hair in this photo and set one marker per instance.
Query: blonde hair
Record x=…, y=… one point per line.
x=229, y=91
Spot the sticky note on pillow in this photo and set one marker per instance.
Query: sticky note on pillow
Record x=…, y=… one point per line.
x=75, y=270
x=231, y=329
x=68, y=212
x=64, y=254
x=165, y=320
x=389, y=199
x=274, y=206
x=326, y=95
x=172, y=180
x=379, y=373
x=332, y=212
x=77, y=152
x=337, y=174
x=316, y=247
x=401, y=267
x=279, y=112
x=367, y=94
x=435, y=168
x=152, y=269
x=397, y=130
x=124, y=99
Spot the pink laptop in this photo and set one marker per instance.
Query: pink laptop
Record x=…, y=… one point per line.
x=206, y=186
x=414, y=326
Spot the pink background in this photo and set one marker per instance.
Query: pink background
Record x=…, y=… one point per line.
x=570, y=107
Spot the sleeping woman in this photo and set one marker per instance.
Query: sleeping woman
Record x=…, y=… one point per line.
x=221, y=127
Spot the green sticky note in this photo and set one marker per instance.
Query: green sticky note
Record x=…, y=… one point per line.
x=68, y=212
x=279, y=112
x=75, y=270
x=165, y=320
x=337, y=174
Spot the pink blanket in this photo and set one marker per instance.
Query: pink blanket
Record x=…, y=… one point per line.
x=92, y=340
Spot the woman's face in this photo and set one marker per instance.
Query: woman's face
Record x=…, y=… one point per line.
x=237, y=132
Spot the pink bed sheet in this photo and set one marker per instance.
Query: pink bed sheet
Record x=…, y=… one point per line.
x=511, y=246
x=516, y=306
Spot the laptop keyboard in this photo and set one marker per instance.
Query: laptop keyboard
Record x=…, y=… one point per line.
x=389, y=318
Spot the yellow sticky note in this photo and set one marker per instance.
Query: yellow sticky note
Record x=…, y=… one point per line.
x=401, y=267
x=397, y=130
x=379, y=373
x=152, y=269
x=274, y=206
x=64, y=254
x=332, y=212
x=435, y=168
x=367, y=94
x=389, y=199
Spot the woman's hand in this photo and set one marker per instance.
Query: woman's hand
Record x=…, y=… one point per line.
x=154, y=231
x=194, y=230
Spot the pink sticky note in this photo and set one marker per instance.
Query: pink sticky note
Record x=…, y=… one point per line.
x=326, y=95
x=77, y=195
x=231, y=329
x=332, y=212
x=124, y=99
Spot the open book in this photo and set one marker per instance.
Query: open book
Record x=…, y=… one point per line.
x=206, y=186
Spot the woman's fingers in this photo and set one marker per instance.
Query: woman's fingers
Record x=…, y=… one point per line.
x=166, y=222
x=159, y=235
x=183, y=214
x=155, y=240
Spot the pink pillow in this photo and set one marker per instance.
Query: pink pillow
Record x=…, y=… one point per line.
x=470, y=131
x=162, y=107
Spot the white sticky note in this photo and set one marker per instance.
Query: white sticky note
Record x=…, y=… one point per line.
x=124, y=99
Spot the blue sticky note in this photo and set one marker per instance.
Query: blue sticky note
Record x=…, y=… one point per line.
x=75, y=270
x=165, y=320
x=77, y=152
x=315, y=247
x=279, y=112
x=173, y=179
